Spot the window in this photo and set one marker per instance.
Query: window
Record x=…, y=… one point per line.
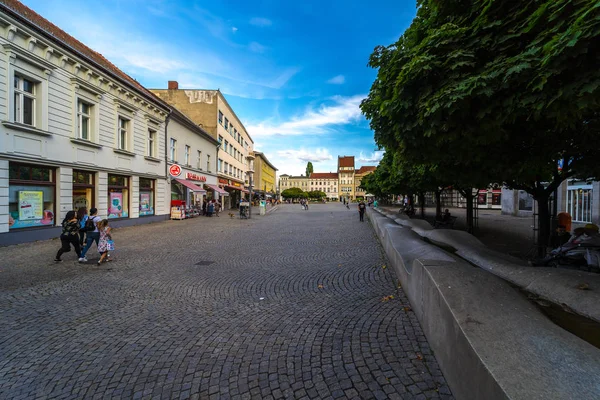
x=220, y=165
x=226, y=124
x=579, y=201
x=123, y=134
x=220, y=118
x=226, y=167
x=187, y=155
x=221, y=140
x=146, y=197
x=83, y=120
x=226, y=146
x=151, y=143
x=173, y=150
x=208, y=162
x=83, y=189
x=24, y=100
x=31, y=196
x=231, y=149
x=118, y=196
x=199, y=160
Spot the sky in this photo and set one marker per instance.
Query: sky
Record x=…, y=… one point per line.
x=293, y=71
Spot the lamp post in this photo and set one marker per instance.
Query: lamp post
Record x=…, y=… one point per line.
x=250, y=200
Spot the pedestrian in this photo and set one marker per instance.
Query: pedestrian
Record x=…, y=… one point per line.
x=204, y=207
x=91, y=235
x=69, y=235
x=361, y=210
x=210, y=208
x=105, y=242
x=82, y=217
x=217, y=207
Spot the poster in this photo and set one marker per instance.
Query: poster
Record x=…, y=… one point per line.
x=31, y=205
x=116, y=204
x=145, y=204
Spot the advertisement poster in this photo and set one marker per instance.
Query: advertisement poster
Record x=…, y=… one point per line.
x=116, y=204
x=145, y=206
x=31, y=205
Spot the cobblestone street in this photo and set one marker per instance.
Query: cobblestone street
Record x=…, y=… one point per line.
x=295, y=304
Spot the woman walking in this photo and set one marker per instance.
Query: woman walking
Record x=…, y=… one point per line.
x=69, y=236
x=105, y=243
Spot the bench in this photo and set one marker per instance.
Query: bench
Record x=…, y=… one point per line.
x=449, y=223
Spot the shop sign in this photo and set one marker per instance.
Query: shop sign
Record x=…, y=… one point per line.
x=236, y=184
x=175, y=170
x=194, y=177
x=31, y=205
x=223, y=181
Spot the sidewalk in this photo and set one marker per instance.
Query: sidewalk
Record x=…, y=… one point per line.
x=504, y=233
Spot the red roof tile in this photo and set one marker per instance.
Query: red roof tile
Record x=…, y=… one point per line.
x=346, y=161
x=365, y=168
x=324, y=175
x=58, y=35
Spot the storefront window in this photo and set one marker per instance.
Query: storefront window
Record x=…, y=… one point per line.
x=118, y=196
x=496, y=198
x=83, y=189
x=525, y=201
x=31, y=196
x=146, y=197
x=177, y=191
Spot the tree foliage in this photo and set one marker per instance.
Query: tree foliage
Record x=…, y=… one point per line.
x=492, y=91
x=309, y=169
x=316, y=194
x=292, y=193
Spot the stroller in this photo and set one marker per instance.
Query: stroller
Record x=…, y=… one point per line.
x=583, y=256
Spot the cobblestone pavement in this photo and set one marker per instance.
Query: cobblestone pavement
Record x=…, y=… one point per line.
x=294, y=304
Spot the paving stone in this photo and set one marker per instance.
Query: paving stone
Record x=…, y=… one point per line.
x=288, y=305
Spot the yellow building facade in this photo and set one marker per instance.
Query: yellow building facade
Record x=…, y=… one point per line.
x=265, y=175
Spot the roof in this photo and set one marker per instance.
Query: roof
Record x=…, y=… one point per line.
x=346, y=161
x=324, y=175
x=57, y=35
x=365, y=168
x=261, y=155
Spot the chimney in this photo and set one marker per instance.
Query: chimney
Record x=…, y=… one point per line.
x=173, y=85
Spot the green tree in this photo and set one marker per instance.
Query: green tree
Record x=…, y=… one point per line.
x=316, y=194
x=292, y=193
x=309, y=169
x=498, y=91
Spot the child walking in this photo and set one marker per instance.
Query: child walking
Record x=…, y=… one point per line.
x=104, y=245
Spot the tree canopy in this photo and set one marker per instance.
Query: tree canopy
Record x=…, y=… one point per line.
x=492, y=91
x=292, y=193
x=309, y=169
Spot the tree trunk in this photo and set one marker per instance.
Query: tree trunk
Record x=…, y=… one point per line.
x=468, y=195
x=422, y=203
x=438, y=203
x=543, y=222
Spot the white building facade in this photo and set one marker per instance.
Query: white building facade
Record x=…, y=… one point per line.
x=75, y=132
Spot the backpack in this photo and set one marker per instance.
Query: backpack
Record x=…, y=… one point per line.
x=89, y=226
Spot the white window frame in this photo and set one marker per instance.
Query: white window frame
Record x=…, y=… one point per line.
x=173, y=150
x=37, y=70
x=575, y=194
x=208, y=163
x=20, y=95
x=151, y=143
x=124, y=142
x=82, y=117
x=187, y=155
x=199, y=160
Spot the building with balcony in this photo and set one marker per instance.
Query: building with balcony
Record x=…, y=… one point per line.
x=209, y=109
x=75, y=132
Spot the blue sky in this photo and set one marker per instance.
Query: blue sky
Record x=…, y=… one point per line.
x=293, y=71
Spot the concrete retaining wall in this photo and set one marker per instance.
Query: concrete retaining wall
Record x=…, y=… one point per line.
x=490, y=342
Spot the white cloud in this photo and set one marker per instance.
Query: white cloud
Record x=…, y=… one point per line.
x=316, y=155
x=375, y=157
x=234, y=29
x=256, y=47
x=337, y=80
x=261, y=22
x=344, y=111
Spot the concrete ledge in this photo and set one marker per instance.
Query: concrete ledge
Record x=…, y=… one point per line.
x=559, y=286
x=490, y=342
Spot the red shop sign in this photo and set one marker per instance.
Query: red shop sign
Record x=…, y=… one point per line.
x=175, y=170
x=194, y=177
x=224, y=181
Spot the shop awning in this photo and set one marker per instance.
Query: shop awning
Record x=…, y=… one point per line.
x=191, y=186
x=237, y=188
x=217, y=189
